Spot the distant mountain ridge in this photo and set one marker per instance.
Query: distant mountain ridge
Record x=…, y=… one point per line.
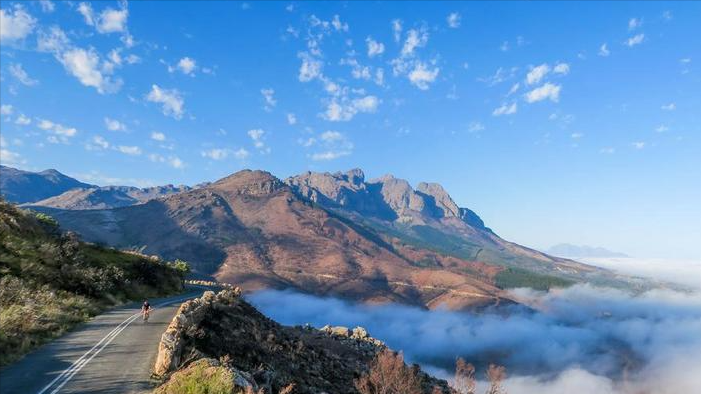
x=53, y=189
x=582, y=251
x=20, y=186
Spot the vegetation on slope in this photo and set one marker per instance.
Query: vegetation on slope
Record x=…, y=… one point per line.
x=50, y=281
x=511, y=278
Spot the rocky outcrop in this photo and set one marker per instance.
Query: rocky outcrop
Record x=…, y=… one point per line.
x=221, y=334
x=187, y=319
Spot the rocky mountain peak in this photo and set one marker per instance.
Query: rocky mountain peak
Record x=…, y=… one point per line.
x=442, y=199
x=249, y=182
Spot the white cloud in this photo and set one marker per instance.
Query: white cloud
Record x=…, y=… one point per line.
x=607, y=150
x=514, y=88
x=669, y=107
x=269, y=96
x=338, y=25
x=6, y=109
x=562, y=68
x=634, y=23
x=603, y=50
x=662, y=128
x=415, y=39
x=474, y=127
x=374, y=48
x=47, y=5
x=170, y=99
x=158, y=136
x=257, y=137
x=9, y=157
x=176, y=162
x=187, y=65
x=345, y=110
x=55, y=40
x=454, y=20
x=397, y=29
x=85, y=65
x=114, y=125
x=15, y=24
x=60, y=133
x=98, y=143
x=108, y=21
x=291, y=119
x=635, y=40
x=505, y=109
x=335, y=144
x=310, y=68
x=22, y=120
x=576, y=136
x=537, y=74
x=638, y=144
x=216, y=153
x=547, y=91
x=129, y=150
x=422, y=76
x=18, y=72
x=241, y=154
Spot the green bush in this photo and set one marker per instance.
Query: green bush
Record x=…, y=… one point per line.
x=49, y=281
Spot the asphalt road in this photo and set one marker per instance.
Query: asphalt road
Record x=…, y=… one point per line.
x=112, y=353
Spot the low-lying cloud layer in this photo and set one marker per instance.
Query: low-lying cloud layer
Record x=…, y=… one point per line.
x=576, y=341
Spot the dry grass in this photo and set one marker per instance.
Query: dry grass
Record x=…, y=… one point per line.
x=389, y=375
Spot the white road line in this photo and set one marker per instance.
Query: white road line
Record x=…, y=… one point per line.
x=81, y=362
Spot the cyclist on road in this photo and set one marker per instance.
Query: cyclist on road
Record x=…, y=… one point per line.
x=145, y=310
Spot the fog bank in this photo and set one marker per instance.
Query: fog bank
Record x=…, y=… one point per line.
x=577, y=340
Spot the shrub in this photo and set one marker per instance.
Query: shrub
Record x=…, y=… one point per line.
x=389, y=375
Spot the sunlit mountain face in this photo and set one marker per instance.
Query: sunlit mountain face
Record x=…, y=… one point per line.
x=513, y=183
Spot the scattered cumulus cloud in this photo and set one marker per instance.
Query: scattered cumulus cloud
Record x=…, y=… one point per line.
x=345, y=109
x=669, y=107
x=158, y=136
x=269, y=96
x=547, y=91
x=256, y=136
x=634, y=23
x=562, y=68
x=129, y=150
x=107, y=21
x=537, y=74
x=453, y=20
x=603, y=50
x=21, y=75
x=47, y=6
x=505, y=109
x=23, y=120
x=216, y=153
x=635, y=40
x=475, y=127
x=114, y=125
x=15, y=24
x=172, y=102
x=332, y=144
x=397, y=29
x=291, y=119
x=423, y=75
x=661, y=128
x=59, y=133
x=374, y=48
x=607, y=150
x=6, y=109
x=187, y=65
x=638, y=144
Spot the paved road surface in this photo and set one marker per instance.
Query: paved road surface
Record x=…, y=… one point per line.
x=112, y=353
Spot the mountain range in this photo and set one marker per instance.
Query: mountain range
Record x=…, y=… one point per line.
x=376, y=240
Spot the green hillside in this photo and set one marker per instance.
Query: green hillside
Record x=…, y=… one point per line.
x=50, y=281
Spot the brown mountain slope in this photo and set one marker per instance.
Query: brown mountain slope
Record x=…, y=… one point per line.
x=254, y=230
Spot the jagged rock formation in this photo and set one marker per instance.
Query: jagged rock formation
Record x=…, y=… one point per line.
x=223, y=330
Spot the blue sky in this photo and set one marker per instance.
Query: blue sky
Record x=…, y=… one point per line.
x=556, y=122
